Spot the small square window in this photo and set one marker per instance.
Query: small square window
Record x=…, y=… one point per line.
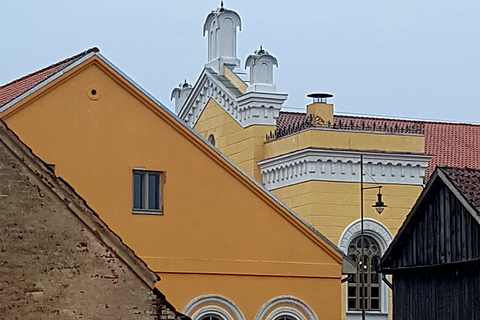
x=147, y=197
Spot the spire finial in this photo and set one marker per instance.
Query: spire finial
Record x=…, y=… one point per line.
x=221, y=4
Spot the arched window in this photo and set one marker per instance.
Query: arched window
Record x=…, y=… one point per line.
x=367, y=264
x=211, y=139
x=285, y=317
x=377, y=240
x=212, y=307
x=285, y=308
x=210, y=317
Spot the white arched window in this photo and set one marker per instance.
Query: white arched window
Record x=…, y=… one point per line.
x=211, y=316
x=377, y=238
x=213, y=307
x=285, y=308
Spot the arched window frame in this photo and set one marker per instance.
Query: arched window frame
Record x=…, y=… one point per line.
x=216, y=305
x=285, y=306
x=383, y=237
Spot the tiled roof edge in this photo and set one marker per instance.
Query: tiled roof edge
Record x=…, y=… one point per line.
x=50, y=79
x=423, y=121
x=77, y=56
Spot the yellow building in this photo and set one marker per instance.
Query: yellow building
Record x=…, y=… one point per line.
x=310, y=161
x=224, y=247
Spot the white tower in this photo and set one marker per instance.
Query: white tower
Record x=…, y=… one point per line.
x=261, y=65
x=221, y=26
x=180, y=94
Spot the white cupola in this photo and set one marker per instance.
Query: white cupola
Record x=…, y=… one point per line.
x=180, y=94
x=261, y=65
x=221, y=26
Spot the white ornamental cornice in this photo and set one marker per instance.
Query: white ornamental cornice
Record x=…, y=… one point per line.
x=343, y=166
x=251, y=108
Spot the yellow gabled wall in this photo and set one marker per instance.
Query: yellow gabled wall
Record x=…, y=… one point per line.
x=244, y=146
x=219, y=233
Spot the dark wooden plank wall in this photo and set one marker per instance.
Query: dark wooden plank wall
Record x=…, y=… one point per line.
x=443, y=232
x=440, y=293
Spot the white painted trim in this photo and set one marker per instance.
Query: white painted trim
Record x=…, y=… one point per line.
x=251, y=108
x=382, y=235
x=208, y=310
x=343, y=166
x=371, y=227
x=211, y=304
x=286, y=311
x=282, y=305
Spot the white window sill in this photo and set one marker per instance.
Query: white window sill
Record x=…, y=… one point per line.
x=146, y=211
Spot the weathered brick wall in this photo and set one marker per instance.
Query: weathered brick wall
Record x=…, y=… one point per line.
x=53, y=266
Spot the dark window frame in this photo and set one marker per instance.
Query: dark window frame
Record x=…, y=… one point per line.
x=147, y=192
x=372, y=288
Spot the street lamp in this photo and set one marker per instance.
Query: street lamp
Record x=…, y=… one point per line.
x=379, y=207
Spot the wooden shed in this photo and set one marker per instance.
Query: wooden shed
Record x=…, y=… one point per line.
x=435, y=257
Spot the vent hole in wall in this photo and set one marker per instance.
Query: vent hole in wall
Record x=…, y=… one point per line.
x=93, y=93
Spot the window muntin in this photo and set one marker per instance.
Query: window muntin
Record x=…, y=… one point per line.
x=210, y=317
x=284, y=317
x=147, y=191
x=372, y=279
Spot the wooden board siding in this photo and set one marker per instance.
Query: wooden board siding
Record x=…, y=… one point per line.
x=442, y=232
x=440, y=293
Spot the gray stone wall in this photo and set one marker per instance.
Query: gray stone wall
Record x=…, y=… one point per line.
x=52, y=266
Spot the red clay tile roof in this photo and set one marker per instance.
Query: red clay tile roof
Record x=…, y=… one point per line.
x=451, y=144
x=18, y=87
x=467, y=181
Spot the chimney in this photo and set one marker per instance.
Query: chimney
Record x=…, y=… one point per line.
x=180, y=94
x=221, y=27
x=320, y=107
x=261, y=65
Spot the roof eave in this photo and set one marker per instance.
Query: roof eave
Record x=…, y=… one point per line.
x=47, y=81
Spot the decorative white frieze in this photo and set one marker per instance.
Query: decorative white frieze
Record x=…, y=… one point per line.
x=343, y=166
x=260, y=108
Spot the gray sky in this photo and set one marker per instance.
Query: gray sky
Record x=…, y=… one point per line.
x=409, y=59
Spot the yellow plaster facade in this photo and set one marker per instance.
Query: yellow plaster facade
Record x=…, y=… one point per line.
x=244, y=146
x=219, y=234
x=327, y=138
x=327, y=205
x=332, y=207
x=235, y=80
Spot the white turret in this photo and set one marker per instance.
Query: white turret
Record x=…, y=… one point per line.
x=221, y=26
x=180, y=94
x=261, y=65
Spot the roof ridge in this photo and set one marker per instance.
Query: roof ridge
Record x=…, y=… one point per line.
x=465, y=168
x=73, y=58
x=423, y=121
x=293, y=112
x=384, y=118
